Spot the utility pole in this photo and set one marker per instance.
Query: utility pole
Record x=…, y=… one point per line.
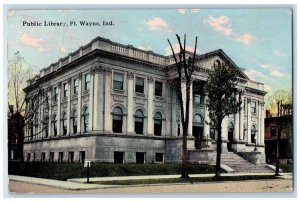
x=278, y=137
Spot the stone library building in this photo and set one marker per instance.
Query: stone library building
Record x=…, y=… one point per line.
x=109, y=102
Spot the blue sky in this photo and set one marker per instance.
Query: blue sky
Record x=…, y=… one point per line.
x=257, y=40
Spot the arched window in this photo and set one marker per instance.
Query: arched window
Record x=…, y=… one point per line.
x=85, y=120
x=74, y=122
x=117, y=120
x=54, y=125
x=198, y=130
x=178, y=125
x=253, y=134
x=65, y=125
x=197, y=120
x=157, y=123
x=139, y=122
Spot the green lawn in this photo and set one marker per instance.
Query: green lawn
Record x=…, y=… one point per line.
x=64, y=171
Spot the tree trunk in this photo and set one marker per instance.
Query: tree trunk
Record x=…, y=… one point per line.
x=219, y=149
x=184, y=162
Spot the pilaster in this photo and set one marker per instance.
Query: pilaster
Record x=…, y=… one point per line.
x=98, y=99
x=150, y=129
x=130, y=121
x=249, y=120
x=107, y=101
x=91, y=100
x=190, y=126
x=69, y=108
x=241, y=120
x=236, y=123
x=79, y=103
x=58, y=116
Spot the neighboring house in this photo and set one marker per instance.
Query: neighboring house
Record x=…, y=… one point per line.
x=15, y=135
x=272, y=125
x=114, y=103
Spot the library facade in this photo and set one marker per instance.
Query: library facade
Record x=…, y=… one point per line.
x=108, y=102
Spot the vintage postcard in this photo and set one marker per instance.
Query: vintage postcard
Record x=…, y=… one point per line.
x=150, y=100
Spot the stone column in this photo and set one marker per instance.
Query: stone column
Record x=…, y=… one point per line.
x=241, y=119
x=174, y=113
x=150, y=130
x=69, y=108
x=262, y=136
x=130, y=121
x=249, y=121
x=206, y=119
x=41, y=117
x=58, y=115
x=225, y=128
x=91, y=100
x=79, y=103
x=190, y=126
x=236, y=123
x=98, y=99
x=107, y=101
x=224, y=135
x=258, y=133
x=50, y=111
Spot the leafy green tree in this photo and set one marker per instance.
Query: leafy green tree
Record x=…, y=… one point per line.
x=222, y=100
x=185, y=68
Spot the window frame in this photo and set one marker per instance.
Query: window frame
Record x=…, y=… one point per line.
x=155, y=89
x=65, y=123
x=87, y=85
x=75, y=86
x=115, y=81
x=66, y=89
x=117, y=118
x=156, y=119
x=137, y=119
x=253, y=109
x=142, y=87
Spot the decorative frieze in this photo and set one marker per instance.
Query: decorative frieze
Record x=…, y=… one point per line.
x=118, y=98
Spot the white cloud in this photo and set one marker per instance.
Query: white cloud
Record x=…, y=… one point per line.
x=182, y=11
x=10, y=13
x=157, y=24
x=32, y=42
x=195, y=10
x=221, y=24
x=144, y=48
x=63, y=49
x=279, y=53
x=255, y=75
x=276, y=73
x=176, y=48
x=246, y=38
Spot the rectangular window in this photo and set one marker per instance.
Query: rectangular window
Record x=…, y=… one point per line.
x=139, y=85
x=51, y=156
x=197, y=99
x=159, y=157
x=81, y=156
x=253, y=107
x=43, y=156
x=273, y=131
x=140, y=157
x=55, y=93
x=28, y=156
x=118, y=157
x=60, y=156
x=118, y=81
x=87, y=80
x=65, y=90
x=158, y=88
x=71, y=157
x=75, y=84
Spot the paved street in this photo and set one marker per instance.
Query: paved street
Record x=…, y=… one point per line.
x=278, y=185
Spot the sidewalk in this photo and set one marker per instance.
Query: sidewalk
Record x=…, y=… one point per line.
x=80, y=183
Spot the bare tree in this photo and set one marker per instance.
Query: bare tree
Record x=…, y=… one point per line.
x=24, y=109
x=185, y=68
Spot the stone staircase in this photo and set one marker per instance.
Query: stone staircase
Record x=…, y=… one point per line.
x=241, y=165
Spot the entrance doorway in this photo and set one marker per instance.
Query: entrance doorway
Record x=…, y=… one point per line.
x=198, y=130
x=230, y=136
